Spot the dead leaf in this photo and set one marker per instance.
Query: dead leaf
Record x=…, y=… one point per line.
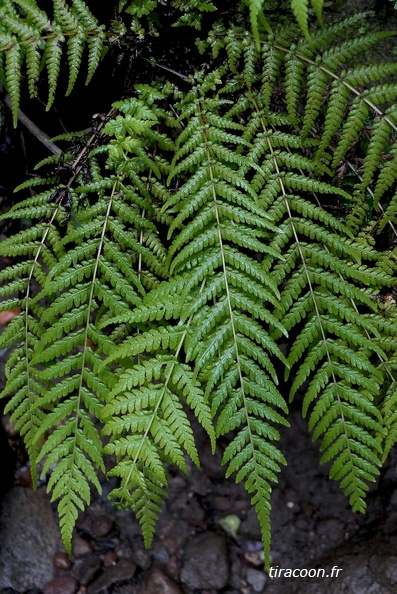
x=8, y=315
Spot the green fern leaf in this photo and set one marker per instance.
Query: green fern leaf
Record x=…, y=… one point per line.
x=13, y=72
x=300, y=9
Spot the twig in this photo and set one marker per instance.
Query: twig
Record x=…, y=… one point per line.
x=35, y=130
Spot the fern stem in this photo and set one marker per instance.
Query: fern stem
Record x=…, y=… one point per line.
x=33, y=40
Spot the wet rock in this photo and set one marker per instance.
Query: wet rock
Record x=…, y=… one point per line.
x=62, y=561
x=101, y=526
x=61, y=585
x=159, y=582
x=384, y=564
x=27, y=549
x=87, y=569
x=205, y=562
x=256, y=579
x=123, y=571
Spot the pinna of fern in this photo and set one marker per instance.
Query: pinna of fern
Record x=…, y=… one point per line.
x=35, y=249
x=333, y=343
x=109, y=253
x=28, y=36
x=223, y=300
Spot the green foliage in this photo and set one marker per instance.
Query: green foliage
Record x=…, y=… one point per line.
x=28, y=36
x=213, y=239
x=301, y=12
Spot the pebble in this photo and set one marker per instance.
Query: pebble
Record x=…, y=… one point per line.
x=110, y=559
x=121, y=572
x=101, y=526
x=205, y=562
x=61, y=585
x=142, y=557
x=81, y=547
x=254, y=559
x=159, y=582
x=256, y=579
x=62, y=561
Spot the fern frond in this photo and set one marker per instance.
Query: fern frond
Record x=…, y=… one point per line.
x=320, y=259
x=182, y=265
x=225, y=334
x=29, y=36
x=40, y=246
x=148, y=424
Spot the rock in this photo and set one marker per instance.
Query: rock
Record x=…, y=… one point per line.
x=121, y=572
x=387, y=568
x=250, y=526
x=101, y=526
x=87, y=569
x=142, y=557
x=61, y=585
x=110, y=559
x=62, y=561
x=161, y=555
x=159, y=582
x=81, y=547
x=256, y=579
x=355, y=574
x=27, y=549
x=205, y=562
